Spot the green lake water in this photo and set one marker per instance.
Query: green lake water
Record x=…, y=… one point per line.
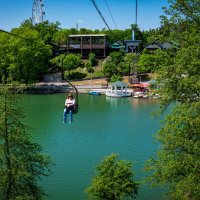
x=102, y=126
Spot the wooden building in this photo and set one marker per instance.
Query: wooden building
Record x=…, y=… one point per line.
x=86, y=44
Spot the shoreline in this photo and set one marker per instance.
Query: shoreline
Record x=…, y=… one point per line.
x=63, y=87
x=98, y=86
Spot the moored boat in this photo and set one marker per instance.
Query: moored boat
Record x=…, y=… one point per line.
x=94, y=93
x=118, y=89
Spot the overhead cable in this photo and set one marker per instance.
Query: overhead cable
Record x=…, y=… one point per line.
x=16, y=35
x=111, y=14
x=95, y=5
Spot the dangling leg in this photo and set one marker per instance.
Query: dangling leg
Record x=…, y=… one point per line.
x=70, y=116
x=65, y=116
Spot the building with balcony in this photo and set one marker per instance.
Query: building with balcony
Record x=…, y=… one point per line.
x=86, y=44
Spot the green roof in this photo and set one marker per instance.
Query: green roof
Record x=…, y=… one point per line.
x=116, y=45
x=119, y=84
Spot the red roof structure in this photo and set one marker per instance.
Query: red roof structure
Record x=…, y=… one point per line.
x=140, y=85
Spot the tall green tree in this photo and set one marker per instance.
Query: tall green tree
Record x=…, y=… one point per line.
x=23, y=60
x=47, y=30
x=22, y=163
x=92, y=59
x=114, y=66
x=177, y=163
x=91, y=63
x=117, y=35
x=85, y=31
x=152, y=61
x=178, y=160
x=61, y=37
x=109, y=68
x=72, y=61
x=4, y=59
x=68, y=62
x=114, y=180
x=129, y=63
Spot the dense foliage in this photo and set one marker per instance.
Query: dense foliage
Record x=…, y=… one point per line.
x=27, y=61
x=68, y=62
x=23, y=60
x=178, y=160
x=114, y=180
x=178, y=163
x=91, y=63
x=147, y=62
x=21, y=162
x=116, y=65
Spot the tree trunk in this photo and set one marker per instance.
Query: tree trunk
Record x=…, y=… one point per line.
x=7, y=155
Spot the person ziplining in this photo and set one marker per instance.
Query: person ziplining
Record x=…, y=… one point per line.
x=71, y=104
x=69, y=107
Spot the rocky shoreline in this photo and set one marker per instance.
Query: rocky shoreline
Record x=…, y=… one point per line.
x=45, y=89
x=54, y=88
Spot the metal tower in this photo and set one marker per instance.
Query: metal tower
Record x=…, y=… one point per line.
x=38, y=11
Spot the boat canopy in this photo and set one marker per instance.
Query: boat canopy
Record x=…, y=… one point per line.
x=119, y=84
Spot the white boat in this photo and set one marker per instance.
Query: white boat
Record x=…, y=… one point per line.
x=140, y=95
x=118, y=94
x=118, y=89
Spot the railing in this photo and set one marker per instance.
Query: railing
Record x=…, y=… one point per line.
x=87, y=46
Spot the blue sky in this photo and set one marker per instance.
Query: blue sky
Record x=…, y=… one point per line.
x=83, y=12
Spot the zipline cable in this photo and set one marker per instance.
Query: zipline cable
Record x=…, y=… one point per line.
x=95, y=5
x=111, y=14
x=16, y=35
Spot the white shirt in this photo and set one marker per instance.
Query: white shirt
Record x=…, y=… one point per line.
x=69, y=102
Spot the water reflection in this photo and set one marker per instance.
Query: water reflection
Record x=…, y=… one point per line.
x=143, y=101
x=133, y=101
x=117, y=101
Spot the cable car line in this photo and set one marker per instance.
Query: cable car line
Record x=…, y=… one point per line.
x=111, y=14
x=95, y=5
x=16, y=35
